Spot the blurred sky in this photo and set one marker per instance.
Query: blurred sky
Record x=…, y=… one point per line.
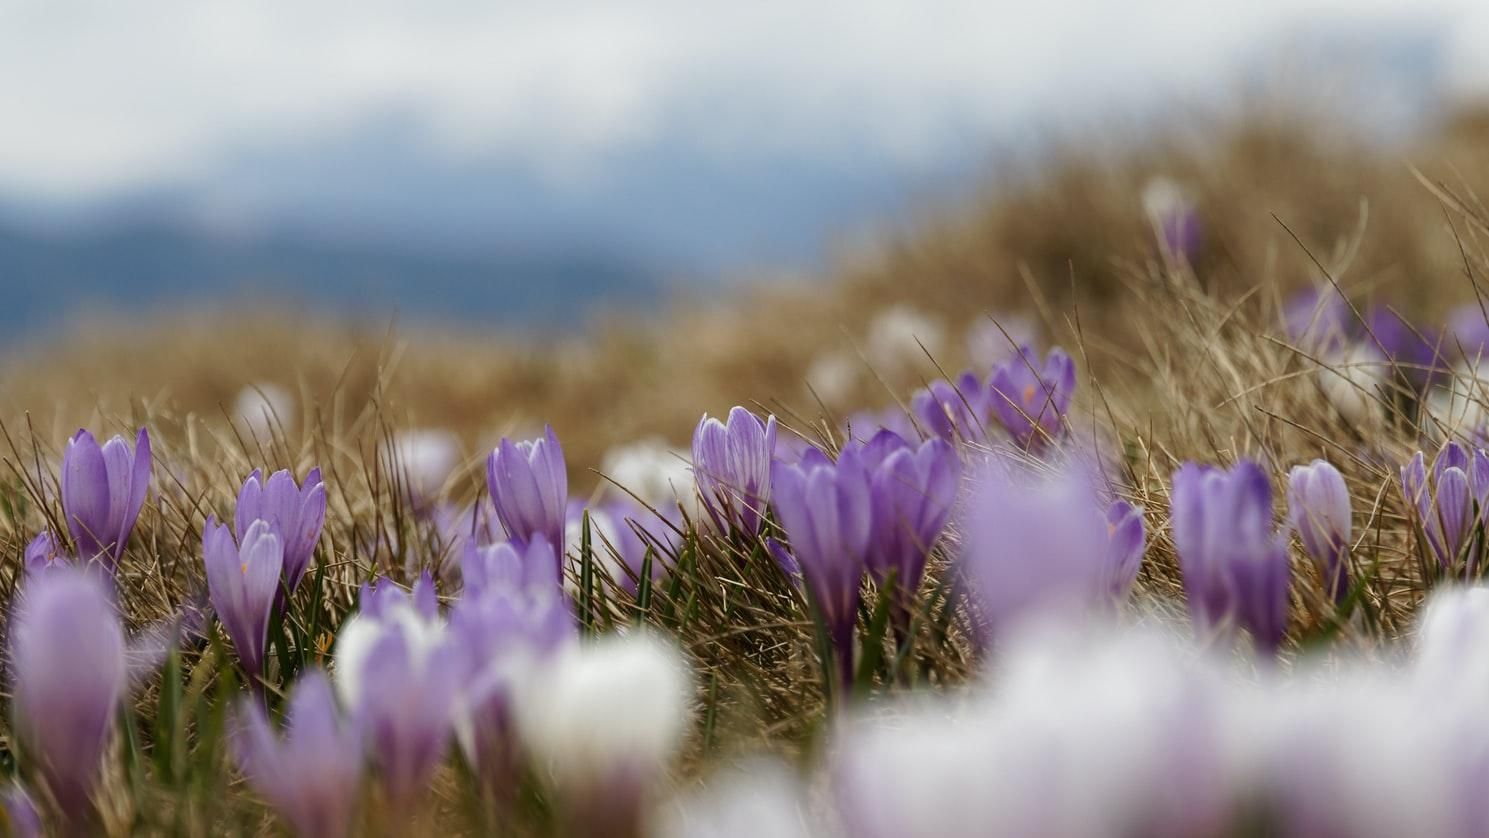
x=671, y=139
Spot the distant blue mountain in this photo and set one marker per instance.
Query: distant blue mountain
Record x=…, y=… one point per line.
x=137, y=269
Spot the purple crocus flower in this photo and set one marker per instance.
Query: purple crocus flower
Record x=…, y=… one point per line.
x=69, y=675
x=953, y=411
x=732, y=467
x=1448, y=507
x=295, y=515
x=1030, y=401
x=103, y=489
x=1234, y=562
x=1128, y=541
x=1318, y=509
x=45, y=552
x=1033, y=545
x=512, y=617
x=397, y=674
x=508, y=566
x=311, y=774
x=382, y=597
x=529, y=486
x=242, y=581
x=864, y=424
x=912, y=490
x=826, y=511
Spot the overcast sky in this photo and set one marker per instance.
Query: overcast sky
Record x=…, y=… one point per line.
x=100, y=96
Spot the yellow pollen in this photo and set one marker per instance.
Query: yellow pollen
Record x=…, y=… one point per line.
x=1029, y=394
x=244, y=567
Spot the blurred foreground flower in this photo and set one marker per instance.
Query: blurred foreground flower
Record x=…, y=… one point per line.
x=1234, y=562
x=103, y=489
x=311, y=774
x=1318, y=509
x=603, y=722
x=21, y=818
x=397, y=674
x=1035, y=545
x=529, y=485
x=67, y=653
x=243, y=582
x=731, y=466
x=510, y=620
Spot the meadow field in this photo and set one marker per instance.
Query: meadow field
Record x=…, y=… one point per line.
x=1144, y=495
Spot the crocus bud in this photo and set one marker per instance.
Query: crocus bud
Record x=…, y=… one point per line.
x=1234, y=563
x=397, y=674
x=103, y=489
x=1128, y=540
x=1448, y=507
x=529, y=485
x=310, y=775
x=825, y=509
x=67, y=650
x=1030, y=401
x=1318, y=509
x=44, y=552
x=911, y=489
x=602, y=722
x=731, y=466
x=242, y=581
x=295, y=515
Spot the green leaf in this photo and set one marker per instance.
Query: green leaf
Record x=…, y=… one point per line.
x=586, y=577
x=873, y=642
x=169, y=731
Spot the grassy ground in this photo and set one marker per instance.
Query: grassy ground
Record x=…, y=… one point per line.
x=1177, y=361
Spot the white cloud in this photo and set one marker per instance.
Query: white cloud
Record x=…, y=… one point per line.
x=100, y=96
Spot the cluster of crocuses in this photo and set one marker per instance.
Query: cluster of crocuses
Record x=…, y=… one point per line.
x=1123, y=732
x=1027, y=397
x=486, y=674
x=877, y=510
